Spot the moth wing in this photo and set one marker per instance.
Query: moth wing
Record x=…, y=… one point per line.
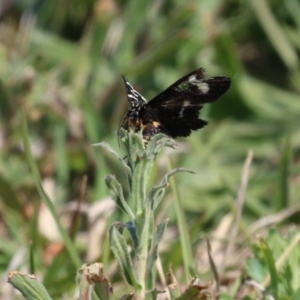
x=177, y=108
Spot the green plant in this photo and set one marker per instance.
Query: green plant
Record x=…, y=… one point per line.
x=138, y=266
x=137, y=259
x=140, y=206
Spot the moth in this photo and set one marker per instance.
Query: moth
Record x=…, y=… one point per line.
x=175, y=111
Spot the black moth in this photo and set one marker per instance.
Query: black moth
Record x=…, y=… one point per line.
x=175, y=111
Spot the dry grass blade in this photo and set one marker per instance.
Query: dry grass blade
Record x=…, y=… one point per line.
x=76, y=216
x=213, y=265
x=274, y=219
x=239, y=207
x=259, y=288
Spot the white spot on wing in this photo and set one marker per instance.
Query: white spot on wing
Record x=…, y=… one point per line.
x=192, y=78
x=185, y=104
x=202, y=86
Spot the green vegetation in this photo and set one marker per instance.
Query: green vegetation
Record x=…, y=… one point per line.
x=234, y=223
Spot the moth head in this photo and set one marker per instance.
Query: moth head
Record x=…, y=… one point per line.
x=134, y=110
x=135, y=99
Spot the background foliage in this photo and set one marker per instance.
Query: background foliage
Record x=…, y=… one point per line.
x=60, y=63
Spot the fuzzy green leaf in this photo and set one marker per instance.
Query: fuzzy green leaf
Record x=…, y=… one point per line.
x=131, y=227
x=154, y=253
x=106, y=146
x=120, y=249
x=28, y=285
x=157, y=143
x=116, y=192
x=141, y=174
x=156, y=193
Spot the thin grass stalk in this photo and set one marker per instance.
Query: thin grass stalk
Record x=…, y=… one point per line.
x=240, y=204
x=183, y=230
x=38, y=182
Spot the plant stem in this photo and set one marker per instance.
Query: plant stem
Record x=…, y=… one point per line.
x=143, y=253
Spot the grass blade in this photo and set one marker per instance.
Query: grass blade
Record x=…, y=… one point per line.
x=38, y=182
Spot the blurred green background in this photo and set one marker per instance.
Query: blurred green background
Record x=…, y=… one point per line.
x=60, y=63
